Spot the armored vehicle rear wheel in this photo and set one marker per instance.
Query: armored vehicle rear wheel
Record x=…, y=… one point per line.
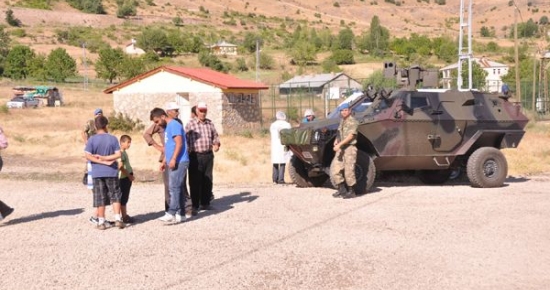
x=434, y=176
x=365, y=173
x=299, y=176
x=487, y=167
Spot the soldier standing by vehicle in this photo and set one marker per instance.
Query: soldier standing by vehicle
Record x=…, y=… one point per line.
x=343, y=171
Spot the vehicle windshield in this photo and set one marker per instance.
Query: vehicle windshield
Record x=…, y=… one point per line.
x=379, y=104
x=358, y=105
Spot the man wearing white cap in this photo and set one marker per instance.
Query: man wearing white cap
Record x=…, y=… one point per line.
x=278, y=154
x=203, y=141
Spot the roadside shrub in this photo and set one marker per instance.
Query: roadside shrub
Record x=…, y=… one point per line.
x=123, y=123
x=88, y=6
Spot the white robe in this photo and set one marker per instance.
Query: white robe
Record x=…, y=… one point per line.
x=278, y=154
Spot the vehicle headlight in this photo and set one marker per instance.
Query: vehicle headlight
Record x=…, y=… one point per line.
x=316, y=136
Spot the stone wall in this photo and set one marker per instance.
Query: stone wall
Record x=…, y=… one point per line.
x=230, y=112
x=139, y=106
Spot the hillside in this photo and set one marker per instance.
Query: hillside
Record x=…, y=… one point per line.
x=411, y=16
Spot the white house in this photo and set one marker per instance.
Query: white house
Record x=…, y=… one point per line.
x=493, y=81
x=233, y=104
x=223, y=48
x=333, y=84
x=132, y=49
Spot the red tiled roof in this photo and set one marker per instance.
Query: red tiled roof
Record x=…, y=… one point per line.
x=205, y=75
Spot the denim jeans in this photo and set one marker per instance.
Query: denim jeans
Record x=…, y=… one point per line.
x=176, y=186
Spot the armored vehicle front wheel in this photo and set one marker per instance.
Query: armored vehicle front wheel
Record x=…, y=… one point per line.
x=365, y=173
x=487, y=167
x=299, y=176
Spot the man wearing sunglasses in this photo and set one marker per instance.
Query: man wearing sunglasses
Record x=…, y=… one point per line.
x=203, y=141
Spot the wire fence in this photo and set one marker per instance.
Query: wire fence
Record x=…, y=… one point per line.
x=323, y=100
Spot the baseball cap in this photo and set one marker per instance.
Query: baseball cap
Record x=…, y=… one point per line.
x=171, y=106
x=201, y=105
x=344, y=106
x=98, y=111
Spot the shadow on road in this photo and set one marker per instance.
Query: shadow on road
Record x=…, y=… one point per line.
x=226, y=203
x=44, y=215
x=219, y=204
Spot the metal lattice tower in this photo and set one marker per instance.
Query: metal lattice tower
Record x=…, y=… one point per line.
x=465, y=53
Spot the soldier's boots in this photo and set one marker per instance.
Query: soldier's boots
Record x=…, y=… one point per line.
x=350, y=192
x=341, y=190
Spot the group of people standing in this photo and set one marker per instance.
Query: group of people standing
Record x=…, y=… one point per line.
x=185, y=148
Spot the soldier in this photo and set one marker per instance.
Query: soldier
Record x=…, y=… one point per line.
x=346, y=154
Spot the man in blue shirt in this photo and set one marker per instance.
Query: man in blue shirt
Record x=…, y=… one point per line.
x=176, y=160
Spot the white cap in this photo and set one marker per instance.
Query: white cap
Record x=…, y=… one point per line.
x=201, y=105
x=280, y=115
x=308, y=112
x=171, y=106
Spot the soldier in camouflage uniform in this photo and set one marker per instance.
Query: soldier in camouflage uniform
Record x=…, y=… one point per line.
x=343, y=171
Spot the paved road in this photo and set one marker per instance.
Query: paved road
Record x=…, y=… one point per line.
x=407, y=236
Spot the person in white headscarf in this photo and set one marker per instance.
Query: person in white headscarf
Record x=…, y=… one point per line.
x=278, y=154
x=308, y=116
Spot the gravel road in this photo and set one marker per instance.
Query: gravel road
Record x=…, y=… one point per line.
x=404, y=236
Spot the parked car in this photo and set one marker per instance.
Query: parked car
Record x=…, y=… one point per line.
x=19, y=102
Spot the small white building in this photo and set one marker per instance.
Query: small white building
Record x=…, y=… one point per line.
x=223, y=48
x=493, y=81
x=233, y=104
x=132, y=49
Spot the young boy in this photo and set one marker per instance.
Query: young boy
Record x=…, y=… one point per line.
x=103, y=150
x=126, y=176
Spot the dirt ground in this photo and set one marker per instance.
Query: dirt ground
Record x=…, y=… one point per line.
x=402, y=235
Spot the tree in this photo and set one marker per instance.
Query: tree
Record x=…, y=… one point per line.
x=152, y=38
x=60, y=65
x=445, y=48
x=376, y=39
x=249, y=42
x=485, y=31
x=11, y=20
x=343, y=56
x=4, y=46
x=89, y=6
x=37, y=67
x=543, y=20
x=345, y=39
x=478, y=76
x=126, y=8
x=18, y=62
x=109, y=64
x=303, y=53
x=132, y=66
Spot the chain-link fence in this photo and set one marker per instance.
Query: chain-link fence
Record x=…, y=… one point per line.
x=302, y=96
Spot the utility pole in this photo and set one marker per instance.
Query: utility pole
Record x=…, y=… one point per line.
x=518, y=83
x=465, y=54
x=257, y=59
x=85, y=63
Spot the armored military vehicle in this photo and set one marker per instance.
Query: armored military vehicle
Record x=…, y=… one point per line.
x=431, y=131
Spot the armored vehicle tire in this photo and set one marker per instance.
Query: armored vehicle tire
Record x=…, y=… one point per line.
x=434, y=176
x=365, y=173
x=487, y=167
x=299, y=176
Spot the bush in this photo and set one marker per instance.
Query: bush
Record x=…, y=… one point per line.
x=343, y=56
x=123, y=123
x=19, y=32
x=11, y=20
x=88, y=6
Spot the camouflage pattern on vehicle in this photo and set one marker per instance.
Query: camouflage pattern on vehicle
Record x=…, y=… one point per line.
x=431, y=131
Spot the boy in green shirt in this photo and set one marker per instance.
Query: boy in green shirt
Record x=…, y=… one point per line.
x=126, y=176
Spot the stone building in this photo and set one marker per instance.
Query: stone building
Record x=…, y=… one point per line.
x=233, y=104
